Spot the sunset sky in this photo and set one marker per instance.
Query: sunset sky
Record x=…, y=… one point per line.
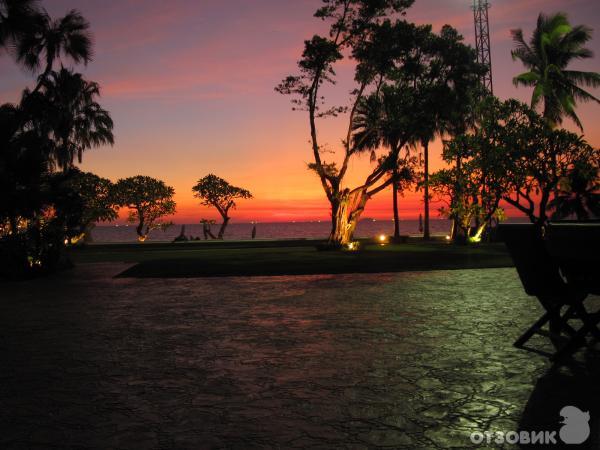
x=189, y=84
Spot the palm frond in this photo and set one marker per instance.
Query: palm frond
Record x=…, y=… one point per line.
x=590, y=79
x=527, y=79
x=522, y=51
x=576, y=37
x=581, y=95
x=569, y=111
x=77, y=44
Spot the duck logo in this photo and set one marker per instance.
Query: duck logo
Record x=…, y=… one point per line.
x=575, y=425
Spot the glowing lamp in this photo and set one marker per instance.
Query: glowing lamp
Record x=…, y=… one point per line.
x=382, y=239
x=352, y=246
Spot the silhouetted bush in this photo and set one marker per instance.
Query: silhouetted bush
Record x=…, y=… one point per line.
x=33, y=252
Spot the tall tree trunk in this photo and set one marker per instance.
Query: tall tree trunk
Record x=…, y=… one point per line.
x=335, y=205
x=395, y=204
x=340, y=227
x=542, y=217
x=426, y=233
x=140, y=230
x=457, y=195
x=87, y=233
x=223, y=226
x=43, y=77
x=345, y=214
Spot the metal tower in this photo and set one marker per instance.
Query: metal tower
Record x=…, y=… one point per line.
x=482, y=41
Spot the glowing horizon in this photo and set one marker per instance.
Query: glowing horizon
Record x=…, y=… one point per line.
x=190, y=87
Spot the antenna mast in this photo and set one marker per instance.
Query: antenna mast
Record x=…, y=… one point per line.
x=482, y=41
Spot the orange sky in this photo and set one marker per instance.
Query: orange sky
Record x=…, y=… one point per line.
x=190, y=86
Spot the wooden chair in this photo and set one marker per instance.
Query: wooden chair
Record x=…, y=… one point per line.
x=575, y=246
x=539, y=263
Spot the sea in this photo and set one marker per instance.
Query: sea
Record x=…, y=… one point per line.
x=268, y=230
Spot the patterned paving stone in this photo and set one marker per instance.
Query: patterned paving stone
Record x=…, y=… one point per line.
x=405, y=360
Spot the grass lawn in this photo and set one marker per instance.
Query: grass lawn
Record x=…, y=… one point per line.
x=248, y=258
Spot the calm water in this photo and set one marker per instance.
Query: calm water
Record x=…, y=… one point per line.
x=276, y=230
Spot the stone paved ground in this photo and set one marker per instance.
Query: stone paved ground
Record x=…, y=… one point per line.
x=408, y=360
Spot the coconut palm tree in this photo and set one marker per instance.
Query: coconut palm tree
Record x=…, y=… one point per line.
x=436, y=106
x=381, y=121
x=445, y=86
x=76, y=119
x=428, y=130
x=555, y=44
x=50, y=40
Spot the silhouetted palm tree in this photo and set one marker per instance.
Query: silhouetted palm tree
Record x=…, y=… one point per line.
x=431, y=125
x=427, y=135
x=443, y=82
x=16, y=17
x=24, y=161
x=50, y=40
x=553, y=46
x=380, y=120
x=77, y=121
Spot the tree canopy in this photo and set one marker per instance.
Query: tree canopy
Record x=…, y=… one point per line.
x=474, y=188
x=416, y=69
x=148, y=200
x=512, y=155
x=218, y=193
x=86, y=199
x=578, y=194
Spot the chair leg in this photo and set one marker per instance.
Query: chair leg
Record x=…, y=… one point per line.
x=533, y=329
x=559, y=327
x=590, y=326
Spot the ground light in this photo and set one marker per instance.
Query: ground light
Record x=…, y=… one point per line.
x=382, y=239
x=75, y=239
x=352, y=246
x=34, y=262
